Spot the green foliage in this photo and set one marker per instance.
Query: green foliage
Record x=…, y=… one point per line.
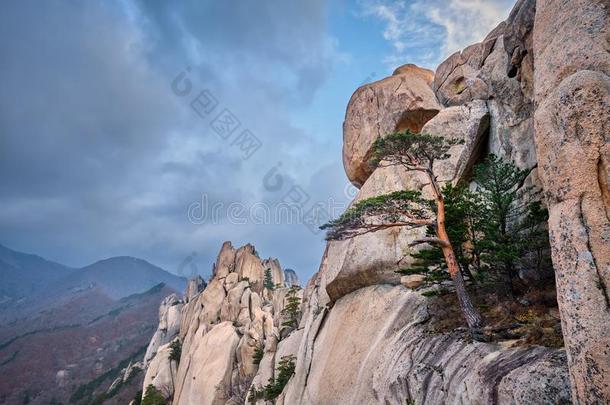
x=259, y=352
x=268, y=281
x=275, y=386
x=400, y=208
x=153, y=397
x=176, y=351
x=493, y=229
x=514, y=224
x=253, y=395
x=292, y=308
x=413, y=151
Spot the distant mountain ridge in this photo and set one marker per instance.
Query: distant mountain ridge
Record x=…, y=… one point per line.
x=121, y=276
x=24, y=275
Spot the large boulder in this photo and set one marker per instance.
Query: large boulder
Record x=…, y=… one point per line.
x=277, y=274
x=225, y=262
x=401, y=101
x=373, y=258
x=457, y=79
x=572, y=123
x=248, y=265
x=468, y=123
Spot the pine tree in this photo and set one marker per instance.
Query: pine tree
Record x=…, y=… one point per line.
x=292, y=308
x=268, y=282
x=514, y=222
x=414, y=152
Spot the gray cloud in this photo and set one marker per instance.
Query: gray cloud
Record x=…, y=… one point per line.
x=98, y=157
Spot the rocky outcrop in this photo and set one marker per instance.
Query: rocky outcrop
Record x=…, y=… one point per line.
x=170, y=313
x=194, y=286
x=219, y=330
x=371, y=258
x=205, y=375
x=572, y=123
x=161, y=371
x=125, y=375
x=401, y=101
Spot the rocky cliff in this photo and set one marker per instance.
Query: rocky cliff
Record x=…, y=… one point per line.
x=221, y=328
x=535, y=92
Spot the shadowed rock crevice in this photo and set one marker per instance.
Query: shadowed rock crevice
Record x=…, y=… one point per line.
x=414, y=120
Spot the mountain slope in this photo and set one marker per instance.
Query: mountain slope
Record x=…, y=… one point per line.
x=23, y=274
x=79, y=340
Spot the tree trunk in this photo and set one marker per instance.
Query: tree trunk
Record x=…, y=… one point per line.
x=473, y=318
x=466, y=272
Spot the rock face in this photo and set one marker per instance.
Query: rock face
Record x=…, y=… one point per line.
x=205, y=376
x=160, y=371
x=401, y=101
x=470, y=123
x=169, y=326
x=371, y=258
x=194, y=287
x=572, y=126
x=371, y=347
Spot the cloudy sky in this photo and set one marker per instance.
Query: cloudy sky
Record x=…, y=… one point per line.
x=161, y=129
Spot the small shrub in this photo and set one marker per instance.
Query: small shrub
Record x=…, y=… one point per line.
x=153, y=396
x=176, y=351
x=258, y=355
x=275, y=386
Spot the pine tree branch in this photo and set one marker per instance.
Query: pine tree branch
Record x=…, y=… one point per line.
x=430, y=240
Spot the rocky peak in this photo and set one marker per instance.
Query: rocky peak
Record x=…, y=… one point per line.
x=219, y=329
x=194, y=286
x=290, y=278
